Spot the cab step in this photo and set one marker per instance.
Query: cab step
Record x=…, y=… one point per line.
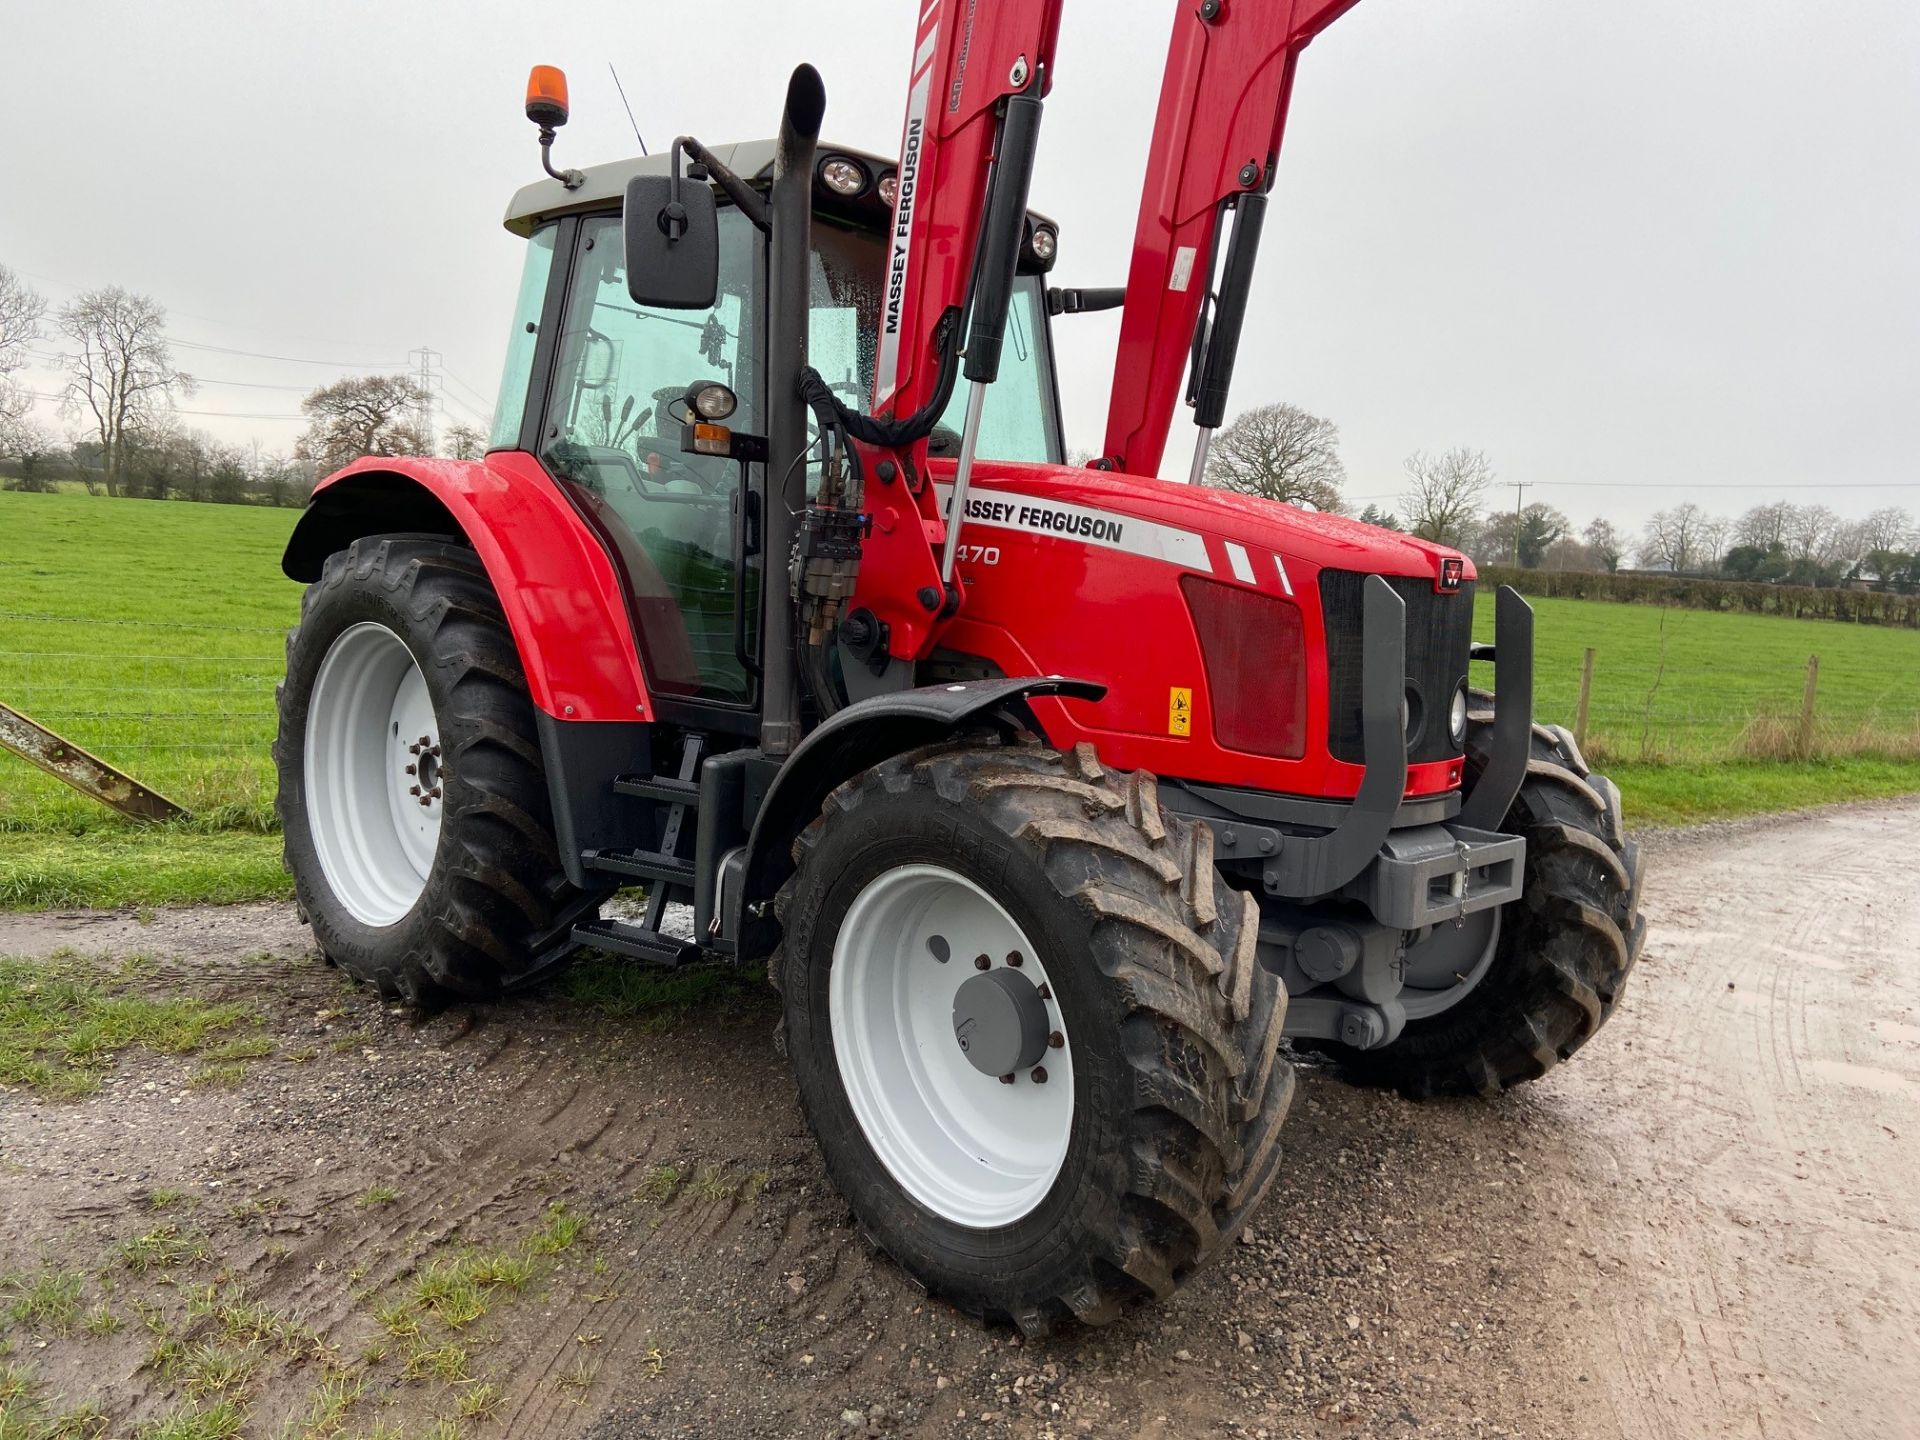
x=636, y=942
x=640, y=865
x=658, y=787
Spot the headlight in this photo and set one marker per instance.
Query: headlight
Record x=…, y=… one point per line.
x=889, y=187
x=842, y=176
x=1457, y=717
x=1045, y=242
x=712, y=401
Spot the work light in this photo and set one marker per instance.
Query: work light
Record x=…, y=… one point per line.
x=842, y=176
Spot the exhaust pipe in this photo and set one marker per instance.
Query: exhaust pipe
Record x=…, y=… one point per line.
x=791, y=213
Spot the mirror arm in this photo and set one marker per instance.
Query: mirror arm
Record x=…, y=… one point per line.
x=738, y=191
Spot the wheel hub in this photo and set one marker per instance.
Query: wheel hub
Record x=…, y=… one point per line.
x=375, y=778
x=1000, y=1022
x=939, y=1058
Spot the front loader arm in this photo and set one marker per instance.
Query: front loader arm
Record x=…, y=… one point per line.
x=1216, y=138
x=968, y=58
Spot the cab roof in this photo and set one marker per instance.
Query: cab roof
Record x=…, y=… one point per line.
x=751, y=160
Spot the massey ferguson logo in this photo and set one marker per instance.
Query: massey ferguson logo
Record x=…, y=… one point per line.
x=903, y=224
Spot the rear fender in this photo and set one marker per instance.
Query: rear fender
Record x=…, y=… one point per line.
x=563, y=599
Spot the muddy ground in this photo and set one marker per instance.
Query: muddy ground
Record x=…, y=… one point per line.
x=1707, y=1225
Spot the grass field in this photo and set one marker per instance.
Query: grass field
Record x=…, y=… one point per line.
x=151, y=633
x=1699, y=685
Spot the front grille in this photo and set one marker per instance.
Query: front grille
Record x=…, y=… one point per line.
x=1439, y=629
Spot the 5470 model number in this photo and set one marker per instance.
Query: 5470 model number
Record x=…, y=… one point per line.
x=980, y=554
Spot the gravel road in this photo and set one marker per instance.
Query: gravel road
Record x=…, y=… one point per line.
x=1708, y=1224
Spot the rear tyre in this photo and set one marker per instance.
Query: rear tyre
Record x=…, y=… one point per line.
x=1564, y=948
x=403, y=686
x=1154, y=1130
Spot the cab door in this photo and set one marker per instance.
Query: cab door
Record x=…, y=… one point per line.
x=611, y=436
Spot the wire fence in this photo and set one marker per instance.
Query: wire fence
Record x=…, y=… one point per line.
x=188, y=709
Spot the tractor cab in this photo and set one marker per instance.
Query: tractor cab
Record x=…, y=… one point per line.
x=595, y=385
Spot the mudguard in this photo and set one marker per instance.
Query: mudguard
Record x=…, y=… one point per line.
x=563, y=598
x=854, y=739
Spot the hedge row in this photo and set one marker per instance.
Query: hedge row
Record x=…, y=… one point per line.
x=1799, y=602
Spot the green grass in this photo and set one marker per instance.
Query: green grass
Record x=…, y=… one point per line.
x=654, y=1000
x=115, y=866
x=1689, y=794
x=48, y=1300
x=62, y=1020
x=221, y=1420
x=150, y=633
x=166, y=1247
x=658, y=1184
x=1697, y=685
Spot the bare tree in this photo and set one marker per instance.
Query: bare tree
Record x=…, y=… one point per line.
x=1890, y=528
x=1672, y=538
x=1279, y=452
x=1445, y=493
x=1764, y=526
x=1809, y=531
x=362, y=415
x=1604, y=544
x=465, y=442
x=21, y=309
x=1714, y=531
x=121, y=372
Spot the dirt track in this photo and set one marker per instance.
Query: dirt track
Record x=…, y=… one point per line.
x=1708, y=1224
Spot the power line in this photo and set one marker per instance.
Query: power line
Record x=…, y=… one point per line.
x=289, y=359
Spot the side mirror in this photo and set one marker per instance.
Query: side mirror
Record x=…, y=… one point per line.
x=672, y=246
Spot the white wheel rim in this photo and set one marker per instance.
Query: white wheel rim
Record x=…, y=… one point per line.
x=972, y=1149
x=368, y=720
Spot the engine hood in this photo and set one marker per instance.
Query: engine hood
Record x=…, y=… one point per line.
x=1328, y=541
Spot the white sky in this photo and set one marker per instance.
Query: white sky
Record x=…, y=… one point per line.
x=1669, y=247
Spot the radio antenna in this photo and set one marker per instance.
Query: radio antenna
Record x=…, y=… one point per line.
x=623, y=100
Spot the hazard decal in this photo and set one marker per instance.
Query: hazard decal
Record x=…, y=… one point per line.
x=1179, y=710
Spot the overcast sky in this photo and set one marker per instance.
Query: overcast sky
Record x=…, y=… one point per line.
x=1669, y=246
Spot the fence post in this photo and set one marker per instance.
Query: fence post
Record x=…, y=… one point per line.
x=1806, y=707
x=1586, y=691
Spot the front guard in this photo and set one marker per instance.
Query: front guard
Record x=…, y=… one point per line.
x=1487, y=864
x=1492, y=795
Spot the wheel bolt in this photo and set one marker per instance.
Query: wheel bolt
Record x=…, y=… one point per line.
x=434, y=751
x=413, y=790
x=435, y=792
x=1045, y=993
x=1056, y=1040
x=426, y=800
x=1015, y=959
x=981, y=962
x=410, y=769
x=1039, y=1074
x=426, y=740
x=1006, y=1079
x=413, y=749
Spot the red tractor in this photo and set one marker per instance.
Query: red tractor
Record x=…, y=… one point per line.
x=1053, y=799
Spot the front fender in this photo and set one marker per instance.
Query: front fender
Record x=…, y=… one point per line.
x=858, y=738
x=563, y=599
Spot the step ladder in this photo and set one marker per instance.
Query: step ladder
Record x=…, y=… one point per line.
x=669, y=874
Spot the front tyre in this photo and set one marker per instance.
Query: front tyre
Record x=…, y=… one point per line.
x=1029, y=1029
x=412, y=802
